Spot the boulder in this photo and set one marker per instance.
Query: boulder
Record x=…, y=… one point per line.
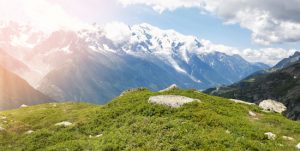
x=174, y=101
x=64, y=123
x=271, y=105
x=171, y=87
x=270, y=135
x=240, y=101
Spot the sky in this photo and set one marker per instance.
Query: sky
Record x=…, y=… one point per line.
x=265, y=31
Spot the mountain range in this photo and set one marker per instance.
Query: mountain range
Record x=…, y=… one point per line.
x=280, y=83
x=92, y=65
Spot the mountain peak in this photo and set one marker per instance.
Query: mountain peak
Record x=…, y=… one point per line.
x=297, y=53
x=288, y=61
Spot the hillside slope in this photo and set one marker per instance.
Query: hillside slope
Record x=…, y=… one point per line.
x=130, y=122
x=282, y=85
x=15, y=91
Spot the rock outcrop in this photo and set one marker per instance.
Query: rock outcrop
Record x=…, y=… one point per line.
x=173, y=101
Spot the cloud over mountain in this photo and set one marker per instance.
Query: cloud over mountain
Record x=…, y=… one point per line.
x=270, y=21
x=120, y=32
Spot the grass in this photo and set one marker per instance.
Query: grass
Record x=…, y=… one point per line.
x=129, y=122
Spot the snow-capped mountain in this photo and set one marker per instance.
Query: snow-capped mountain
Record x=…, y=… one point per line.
x=97, y=63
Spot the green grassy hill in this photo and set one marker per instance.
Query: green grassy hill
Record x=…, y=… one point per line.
x=129, y=122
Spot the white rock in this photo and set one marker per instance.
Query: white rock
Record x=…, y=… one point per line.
x=240, y=101
x=298, y=146
x=227, y=131
x=24, y=105
x=2, y=129
x=64, y=123
x=29, y=132
x=288, y=138
x=90, y=136
x=174, y=101
x=270, y=135
x=171, y=87
x=252, y=113
x=99, y=135
x=271, y=105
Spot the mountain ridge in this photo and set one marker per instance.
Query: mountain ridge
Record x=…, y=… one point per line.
x=15, y=91
x=280, y=83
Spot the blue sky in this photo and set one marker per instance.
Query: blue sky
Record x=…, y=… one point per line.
x=191, y=21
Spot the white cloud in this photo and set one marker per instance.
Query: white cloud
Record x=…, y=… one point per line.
x=269, y=56
x=40, y=13
x=270, y=21
x=117, y=32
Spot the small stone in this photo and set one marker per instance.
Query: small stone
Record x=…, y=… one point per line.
x=64, y=123
x=99, y=135
x=270, y=135
x=227, y=131
x=288, y=138
x=252, y=114
x=3, y=117
x=23, y=105
x=29, y=132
